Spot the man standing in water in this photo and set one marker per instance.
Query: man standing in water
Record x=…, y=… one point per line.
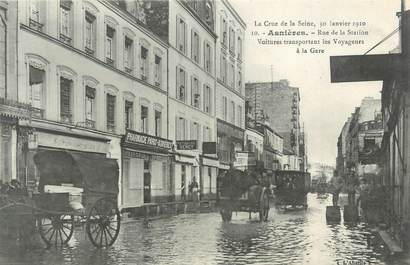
x=337, y=185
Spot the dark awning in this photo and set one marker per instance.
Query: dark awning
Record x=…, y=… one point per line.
x=355, y=68
x=92, y=172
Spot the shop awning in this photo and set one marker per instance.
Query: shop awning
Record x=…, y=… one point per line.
x=355, y=68
x=93, y=172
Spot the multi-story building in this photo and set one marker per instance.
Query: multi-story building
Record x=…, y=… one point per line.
x=230, y=68
x=278, y=103
x=341, y=149
x=11, y=111
x=97, y=79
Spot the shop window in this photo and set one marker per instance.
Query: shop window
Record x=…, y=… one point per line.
x=195, y=92
x=110, y=46
x=208, y=57
x=181, y=84
x=66, y=87
x=90, y=107
x=181, y=35
x=158, y=71
x=195, y=46
x=37, y=86
x=144, y=63
x=37, y=13
x=66, y=21
x=207, y=99
x=111, y=112
x=128, y=55
x=129, y=114
x=90, y=33
x=144, y=119
x=158, y=122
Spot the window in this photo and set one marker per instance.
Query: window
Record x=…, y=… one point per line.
x=232, y=75
x=128, y=55
x=195, y=131
x=144, y=119
x=3, y=49
x=65, y=100
x=195, y=46
x=207, y=134
x=36, y=83
x=239, y=48
x=195, y=93
x=223, y=69
x=232, y=112
x=208, y=58
x=65, y=21
x=90, y=107
x=158, y=118
x=144, y=63
x=36, y=13
x=209, y=17
x=225, y=108
x=240, y=80
x=90, y=33
x=110, y=46
x=224, y=30
x=207, y=99
x=181, y=84
x=129, y=114
x=180, y=129
x=111, y=113
x=240, y=116
x=158, y=71
x=181, y=35
x=231, y=40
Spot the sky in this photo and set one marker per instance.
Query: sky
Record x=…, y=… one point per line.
x=324, y=106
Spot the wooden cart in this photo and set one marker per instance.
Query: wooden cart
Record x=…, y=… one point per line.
x=54, y=216
x=291, y=189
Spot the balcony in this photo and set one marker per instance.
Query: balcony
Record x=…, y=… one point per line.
x=89, y=51
x=35, y=25
x=111, y=127
x=14, y=109
x=66, y=118
x=128, y=70
x=65, y=39
x=109, y=61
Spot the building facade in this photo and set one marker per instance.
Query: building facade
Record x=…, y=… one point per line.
x=278, y=103
x=230, y=69
x=96, y=77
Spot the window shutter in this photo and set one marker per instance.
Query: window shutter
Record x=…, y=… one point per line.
x=177, y=83
x=65, y=96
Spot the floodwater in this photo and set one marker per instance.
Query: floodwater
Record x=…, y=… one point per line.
x=298, y=237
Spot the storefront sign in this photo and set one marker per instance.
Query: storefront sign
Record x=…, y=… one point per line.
x=210, y=162
x=209, y=147
x=187, y=145
x=71, y=143
x=140, y=138
x=144, y=156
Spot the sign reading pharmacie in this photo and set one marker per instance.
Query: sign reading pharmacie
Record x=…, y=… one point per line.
x=133, y=137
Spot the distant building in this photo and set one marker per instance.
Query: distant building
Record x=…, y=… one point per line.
x=278, y=103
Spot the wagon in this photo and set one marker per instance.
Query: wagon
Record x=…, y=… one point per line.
x=238, y=191
x=291, y=189
x=56, y=214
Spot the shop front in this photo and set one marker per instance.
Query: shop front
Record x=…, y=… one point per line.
x=208, y=176
x=230, y=141
x=146, y=166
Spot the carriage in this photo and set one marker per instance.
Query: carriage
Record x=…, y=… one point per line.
x=239, y=191
x=56, y=210
x=291, y=189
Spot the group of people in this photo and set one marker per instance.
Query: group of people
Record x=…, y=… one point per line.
x=353, y=185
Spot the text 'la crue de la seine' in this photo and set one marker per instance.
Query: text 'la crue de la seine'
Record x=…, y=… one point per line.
x=310, y=36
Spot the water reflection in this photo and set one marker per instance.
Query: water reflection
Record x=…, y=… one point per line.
x=300, y=237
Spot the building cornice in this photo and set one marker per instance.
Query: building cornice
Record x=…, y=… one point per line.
x=230, y=125
x=230, y=89
x=91, y=58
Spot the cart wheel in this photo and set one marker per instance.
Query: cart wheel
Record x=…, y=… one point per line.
x=264, y=207
x=56, y=229
x=226, y=214
x=103, y=223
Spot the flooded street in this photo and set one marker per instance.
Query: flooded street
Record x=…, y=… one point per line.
x=301, y=237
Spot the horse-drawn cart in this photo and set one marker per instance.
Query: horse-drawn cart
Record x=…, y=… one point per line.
x=55, y=211
x=292, y=188
x=240, y=192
